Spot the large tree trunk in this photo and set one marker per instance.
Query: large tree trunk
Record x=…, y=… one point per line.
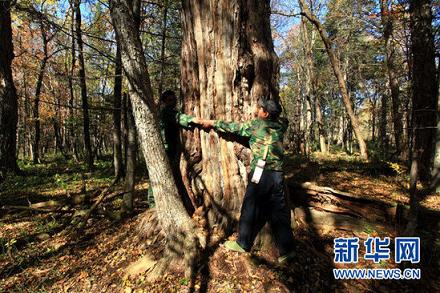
x=339, y=76
x=8, y=95
x=424, y=85
x=425, y=100
x=173, y=217
x=117, y=133
x=83, y=85
x=228, y=62
x=390, y=56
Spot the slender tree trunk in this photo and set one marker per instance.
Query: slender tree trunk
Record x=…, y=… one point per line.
x=311, y=88
x=117, y=133
x=339, y=76
x=308, y=127
x=290, y=107
x=373, y=119
x=308, y=44
x=131, y=162
x=299, y=121
x=163, y=43
x=8, y=95
x=435, y=174
x=124, y=126
x=383, y=125
x=36, y=108
x=83, y=85
x=57, y=123
x=320, y=122
x=58, y=139
x=425, y=101
x=72, y=132
x=308, y=87
x=341, y=132
x=391, y=67
x=171, y=212
x=26, y=132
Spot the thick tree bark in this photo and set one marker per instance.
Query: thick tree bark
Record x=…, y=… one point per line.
x=117, y=133
x=228, y=62
x=391, y=66
x=339, y=76
x=8, y=95
x=424, y=85
x=425, y=100
x=173, y=217
x=83, y=85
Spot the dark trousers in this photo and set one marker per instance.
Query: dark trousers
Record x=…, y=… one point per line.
x=265, y=202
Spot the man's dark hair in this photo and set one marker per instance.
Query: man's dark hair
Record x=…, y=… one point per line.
x=166, y=94
x=270, y=106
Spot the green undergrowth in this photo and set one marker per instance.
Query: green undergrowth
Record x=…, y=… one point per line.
x=55, y=175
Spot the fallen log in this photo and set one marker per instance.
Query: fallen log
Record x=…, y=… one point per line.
x=36, y=209
x=99, y=199
x=328, y=209
x=49, y=203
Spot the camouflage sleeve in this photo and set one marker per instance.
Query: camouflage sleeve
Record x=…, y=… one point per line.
x=243, y=129
x=183, y=119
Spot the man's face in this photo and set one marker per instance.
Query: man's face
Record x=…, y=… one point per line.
x=170, y=101
x=261, y=113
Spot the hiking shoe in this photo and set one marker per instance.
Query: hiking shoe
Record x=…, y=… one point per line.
x=233, y=246
x=286, y=257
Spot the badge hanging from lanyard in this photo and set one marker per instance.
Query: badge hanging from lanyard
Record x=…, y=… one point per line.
x=259, y=168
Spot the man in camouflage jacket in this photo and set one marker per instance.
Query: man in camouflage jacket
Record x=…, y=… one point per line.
x=264, y=201
x=170, y=121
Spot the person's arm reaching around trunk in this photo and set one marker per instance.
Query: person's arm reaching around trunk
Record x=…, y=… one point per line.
x=243, y=129
x=184, y=119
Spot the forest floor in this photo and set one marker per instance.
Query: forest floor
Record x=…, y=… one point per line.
x=40, y=253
